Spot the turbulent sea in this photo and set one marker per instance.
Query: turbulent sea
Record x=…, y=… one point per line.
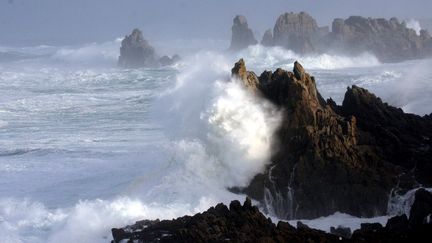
x=86, y=146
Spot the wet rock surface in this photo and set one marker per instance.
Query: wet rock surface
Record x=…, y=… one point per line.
x=242, y=35
x=335, y=158
x=245, y=223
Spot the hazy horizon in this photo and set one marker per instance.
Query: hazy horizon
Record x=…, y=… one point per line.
x=24, y=22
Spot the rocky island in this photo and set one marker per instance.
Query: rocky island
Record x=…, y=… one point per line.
x=389, y=40
x=242, y=35
x=136, y=52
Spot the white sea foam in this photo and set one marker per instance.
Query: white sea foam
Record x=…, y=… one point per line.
x=415, y=25
x=275, y=57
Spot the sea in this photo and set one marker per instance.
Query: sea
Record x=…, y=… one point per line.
x=86, y=146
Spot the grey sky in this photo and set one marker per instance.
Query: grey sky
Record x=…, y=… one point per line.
x=77, y=21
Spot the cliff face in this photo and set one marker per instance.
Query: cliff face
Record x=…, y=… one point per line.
x=329, y=159
x=242, y=35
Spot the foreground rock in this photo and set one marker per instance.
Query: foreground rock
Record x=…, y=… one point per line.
x=136, y=52
x=245, y=223
x=389, y=40
x=336, y=158
x=242, y=35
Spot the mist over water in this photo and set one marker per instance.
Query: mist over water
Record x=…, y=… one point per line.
x=101, y=147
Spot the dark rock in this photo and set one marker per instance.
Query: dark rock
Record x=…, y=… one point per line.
x=242, y=35
x=421, y=210
x=136, y=52
x=240, y=224
x=267, y=39
x=335, y=158
x=341, y=231
x=319, y=159
x=247, y=224
x=397, y=223
x=401, y=139
x=296, y=31
x=371, y=227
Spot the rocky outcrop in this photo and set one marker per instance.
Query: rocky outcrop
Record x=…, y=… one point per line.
x=267, y=39
x=390, y=40
x=333, y=158
x=242, y=35
x=136, y=52
x=245, y=223
x=296, y=31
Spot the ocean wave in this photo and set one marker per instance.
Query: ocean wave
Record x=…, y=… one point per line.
x=275, y=57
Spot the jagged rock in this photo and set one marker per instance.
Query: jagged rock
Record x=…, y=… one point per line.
x=218, y=224
x=136, y=52
x=390, y=40
x=332, y=158
x=249, y=79
x=242, y=35
x=247, y=224
x=267, y=39
x=421, y=210
x=341, y=231
x=398, y=223
x=296, y=31
x=400, y=138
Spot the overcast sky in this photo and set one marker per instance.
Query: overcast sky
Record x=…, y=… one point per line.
x=78, y=21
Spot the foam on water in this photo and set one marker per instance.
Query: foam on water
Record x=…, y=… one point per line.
x=275, y=57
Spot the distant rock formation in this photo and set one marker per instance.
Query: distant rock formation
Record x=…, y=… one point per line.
x=136, y=52
x=242, y=35
x=267, y=39
x=390, y=40
x=296, y=32
x=336, y=158
x=245, y=223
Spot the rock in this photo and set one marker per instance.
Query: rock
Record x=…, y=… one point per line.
x=239, y=224
x=242, y=35
x=247, y=224
x=341, y=231
x=267, y=39
x=421, y=210
x=136, y=52
x=296, y=31
x=168, y=61
x=335, y=158
x=249, y=79
x=397, y=223
x=390, y=40
x=401, y=139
